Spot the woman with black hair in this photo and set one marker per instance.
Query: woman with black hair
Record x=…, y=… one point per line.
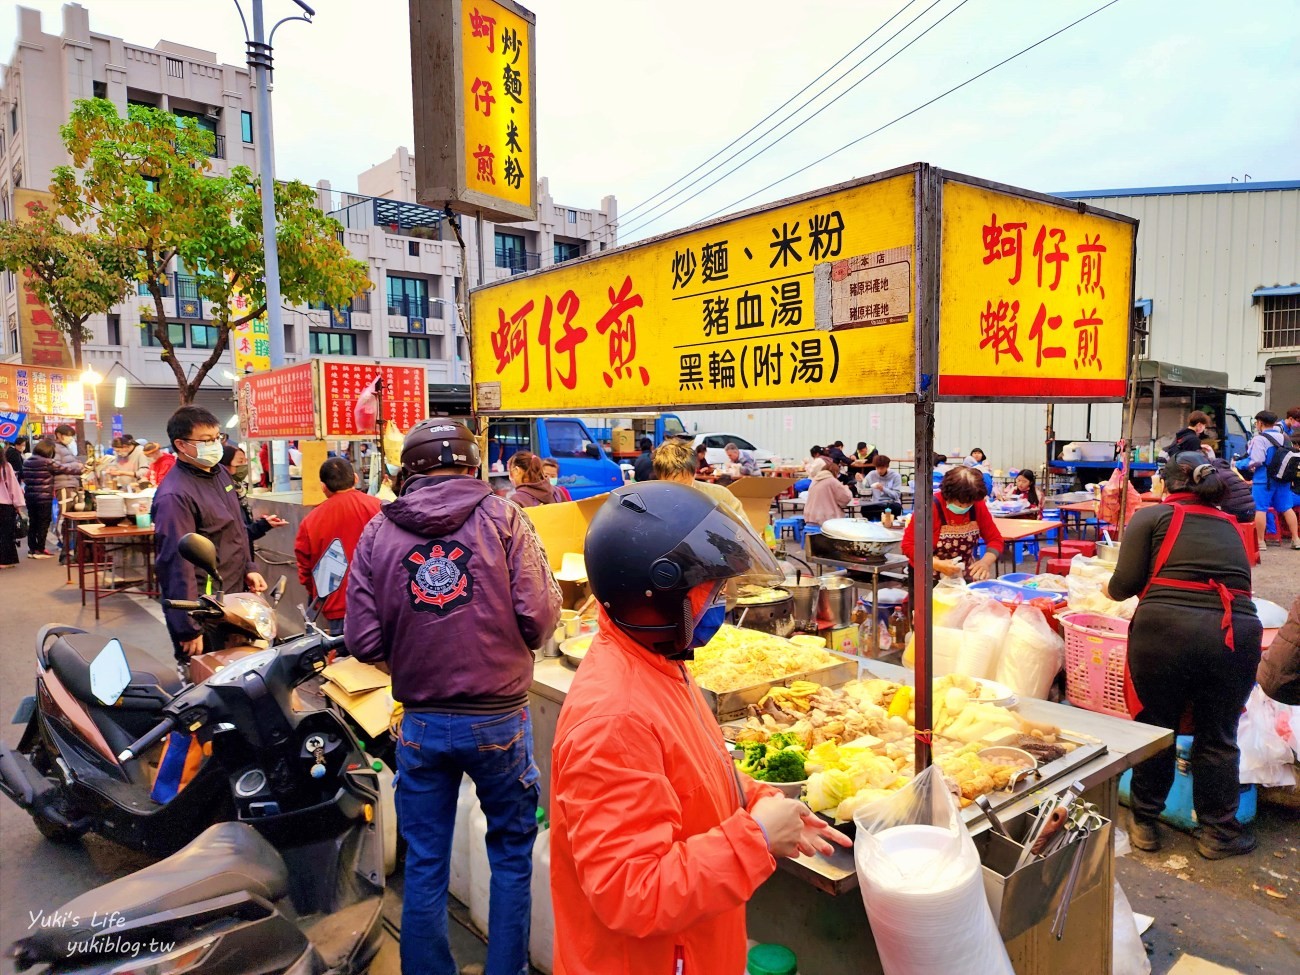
x=1193, y=645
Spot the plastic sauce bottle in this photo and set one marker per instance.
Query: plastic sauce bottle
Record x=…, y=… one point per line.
x=771, y=960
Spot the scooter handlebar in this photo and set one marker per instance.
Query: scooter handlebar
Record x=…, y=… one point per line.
x=147, y=740
x=331, y=642
x=184, y=605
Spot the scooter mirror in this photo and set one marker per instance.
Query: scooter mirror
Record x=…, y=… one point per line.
x=201, y=553
x=109, y=673
x=277, y=591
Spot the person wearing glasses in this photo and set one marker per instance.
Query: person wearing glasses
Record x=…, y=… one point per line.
x=198, y=496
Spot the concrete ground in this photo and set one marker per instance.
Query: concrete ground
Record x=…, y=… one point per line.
x=1242, y=914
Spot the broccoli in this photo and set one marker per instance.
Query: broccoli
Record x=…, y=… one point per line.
x=755, y=759
x=786, y=765
x=783, y=739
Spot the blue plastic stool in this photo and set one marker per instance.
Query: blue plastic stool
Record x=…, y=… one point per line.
x=792, y=528
x=1029, y=550
x=1178, y=805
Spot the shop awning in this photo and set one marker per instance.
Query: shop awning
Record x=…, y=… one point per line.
x=1278, y=291
x=1170, y=374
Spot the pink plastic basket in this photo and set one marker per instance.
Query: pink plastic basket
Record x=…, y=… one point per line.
x=1096, y=648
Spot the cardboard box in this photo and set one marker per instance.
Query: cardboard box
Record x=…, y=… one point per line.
x=756, y=494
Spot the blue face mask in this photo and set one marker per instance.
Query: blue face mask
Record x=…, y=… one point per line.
x=392, y=469
x=959, y=509
x=708, y=624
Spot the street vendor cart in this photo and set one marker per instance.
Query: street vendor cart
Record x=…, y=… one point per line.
x=915, y=285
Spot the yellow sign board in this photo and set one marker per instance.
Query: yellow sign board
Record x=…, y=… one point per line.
x=1035, y=298
x=473, y=73
x=250, y=341
x=40, y=340
x=40, y=391
x=810, y=300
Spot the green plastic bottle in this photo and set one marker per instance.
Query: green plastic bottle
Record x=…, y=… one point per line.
x=771, y=960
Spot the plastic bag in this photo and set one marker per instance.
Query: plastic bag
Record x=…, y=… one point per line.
x=1108, y=507
x=983, y=633
x=922, y=884
x=1086, y=586
x=1032, y=655
x=1266, y=738
x=1128, y=956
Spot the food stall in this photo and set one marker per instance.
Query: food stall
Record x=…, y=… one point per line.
x=316, y=403
x=915, y=285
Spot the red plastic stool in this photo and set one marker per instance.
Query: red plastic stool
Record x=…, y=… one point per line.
x=1070, y=547
x=1059, y=567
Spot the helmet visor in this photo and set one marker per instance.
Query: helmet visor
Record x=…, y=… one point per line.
x=723, y=547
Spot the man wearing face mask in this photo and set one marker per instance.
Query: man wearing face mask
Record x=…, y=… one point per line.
x=657, y=841
x=961, y=521
x=128, y=465
x=198, y=496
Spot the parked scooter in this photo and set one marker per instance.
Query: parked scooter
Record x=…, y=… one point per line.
x=66, y=772
x=294, y=881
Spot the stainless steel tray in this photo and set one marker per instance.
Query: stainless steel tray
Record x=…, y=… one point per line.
x=730, y=705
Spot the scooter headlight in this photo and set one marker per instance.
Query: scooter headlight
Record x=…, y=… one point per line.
x=174, y=962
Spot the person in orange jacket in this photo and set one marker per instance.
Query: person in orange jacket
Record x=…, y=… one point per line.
x=657, y=841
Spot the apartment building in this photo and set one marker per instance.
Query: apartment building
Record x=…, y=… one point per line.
x=413, y=255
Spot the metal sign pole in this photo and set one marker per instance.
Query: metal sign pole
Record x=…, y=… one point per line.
x=929, y=224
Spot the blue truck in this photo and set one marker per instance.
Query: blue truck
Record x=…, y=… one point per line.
x=585, y=469
x=657, y=427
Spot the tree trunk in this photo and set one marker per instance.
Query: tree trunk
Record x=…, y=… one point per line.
x=218, y=350
x=165, y=340
x=74, y=337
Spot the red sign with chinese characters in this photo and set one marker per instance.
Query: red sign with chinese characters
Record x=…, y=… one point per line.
x=278, y=405
x=404, y=393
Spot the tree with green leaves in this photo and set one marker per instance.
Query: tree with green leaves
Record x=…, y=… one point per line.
x=145, y=183
x=75, y=275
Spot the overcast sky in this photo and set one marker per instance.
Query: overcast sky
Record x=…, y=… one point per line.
x=634, y=93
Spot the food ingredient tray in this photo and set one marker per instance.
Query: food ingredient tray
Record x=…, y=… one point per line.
x=733, y=704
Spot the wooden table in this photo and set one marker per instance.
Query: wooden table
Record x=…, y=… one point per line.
x=101, y=539
x=67, y=531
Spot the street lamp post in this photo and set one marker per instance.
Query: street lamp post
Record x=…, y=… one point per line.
x=260, y=65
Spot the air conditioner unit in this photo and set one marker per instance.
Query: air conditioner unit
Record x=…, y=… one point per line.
x=213, y=112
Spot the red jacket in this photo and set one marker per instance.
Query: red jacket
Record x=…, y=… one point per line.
x=160, y=467
x=343, y=516
x=653, y=850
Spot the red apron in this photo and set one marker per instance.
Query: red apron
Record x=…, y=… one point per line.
x=956, y=541
x=1225, y=594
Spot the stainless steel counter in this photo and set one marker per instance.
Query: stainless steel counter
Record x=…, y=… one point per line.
x=1127, y=743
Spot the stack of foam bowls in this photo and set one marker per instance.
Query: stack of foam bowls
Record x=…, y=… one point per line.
x=926, y=904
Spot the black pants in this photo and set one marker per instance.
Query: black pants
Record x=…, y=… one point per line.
x=1177, y=658
x=872, y=510
x=39, y=514
x=8, y=531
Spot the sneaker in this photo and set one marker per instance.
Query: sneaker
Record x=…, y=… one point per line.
x=1144, y=836
x=1216, y=849
x=42, y=555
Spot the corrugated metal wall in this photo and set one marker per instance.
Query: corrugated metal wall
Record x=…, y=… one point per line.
x=1200, y=255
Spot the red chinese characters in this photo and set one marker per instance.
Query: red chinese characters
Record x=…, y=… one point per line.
x=1004, y=240
x=510, y=340
x=567, y=344
x=998, y=329
x=621, y=327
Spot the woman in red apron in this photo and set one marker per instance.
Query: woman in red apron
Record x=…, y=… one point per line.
x=961, y=522
x=1193, y=646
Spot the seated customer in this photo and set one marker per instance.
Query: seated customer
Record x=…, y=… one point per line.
x=881, y=490
x=1023, y=488
x=702, y=466
x=827, y=496
x=674, y=461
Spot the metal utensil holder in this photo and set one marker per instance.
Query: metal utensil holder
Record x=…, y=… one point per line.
x=1022, y=899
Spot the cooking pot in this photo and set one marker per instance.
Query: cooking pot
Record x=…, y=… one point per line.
x=771, y=614
x=836, y=600
x=853, y=540
x=805, y=593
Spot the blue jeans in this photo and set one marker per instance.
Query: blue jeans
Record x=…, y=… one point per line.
x=496, y=751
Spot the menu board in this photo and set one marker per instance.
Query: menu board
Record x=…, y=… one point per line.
x=41, y=391
x=278, y=405
x=404, y=394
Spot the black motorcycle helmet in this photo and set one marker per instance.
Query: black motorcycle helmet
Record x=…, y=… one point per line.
x=653, y=542
x=437, y=443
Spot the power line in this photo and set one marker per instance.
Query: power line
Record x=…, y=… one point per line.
x=781, y=138
x=742, y=135
x=923, y=105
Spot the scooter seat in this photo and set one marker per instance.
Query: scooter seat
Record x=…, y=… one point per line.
x=226, y=858
x=70, y=658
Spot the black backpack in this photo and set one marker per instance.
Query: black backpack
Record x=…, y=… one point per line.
x=1284, y=464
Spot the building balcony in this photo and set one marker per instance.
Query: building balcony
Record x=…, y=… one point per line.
x=517, y=262
x=218, y=147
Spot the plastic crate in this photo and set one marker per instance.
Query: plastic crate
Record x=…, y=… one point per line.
x=1178, y=811
x=1096, y=649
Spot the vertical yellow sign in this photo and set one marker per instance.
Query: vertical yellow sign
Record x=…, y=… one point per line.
x=250, y=341
x=40, y=341
x=497, y=82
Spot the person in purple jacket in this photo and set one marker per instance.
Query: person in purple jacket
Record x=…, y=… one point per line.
x=450, y=587
x=198, y=496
